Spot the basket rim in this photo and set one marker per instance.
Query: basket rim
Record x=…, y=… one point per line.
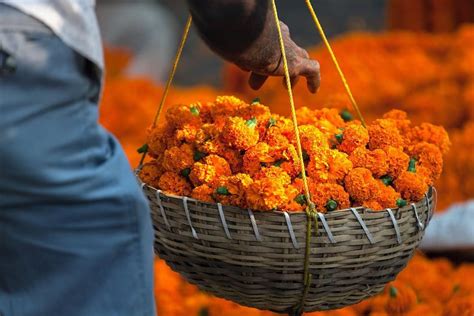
x=431, y=190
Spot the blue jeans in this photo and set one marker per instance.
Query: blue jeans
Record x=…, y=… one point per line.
x=75, y=229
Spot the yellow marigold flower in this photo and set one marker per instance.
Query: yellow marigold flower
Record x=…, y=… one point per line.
x=176, y=159
x=353, y=136
x=172, y=183
x=239, y=133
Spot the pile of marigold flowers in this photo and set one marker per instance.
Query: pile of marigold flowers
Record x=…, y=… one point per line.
x=241, y=154
x=425, y=288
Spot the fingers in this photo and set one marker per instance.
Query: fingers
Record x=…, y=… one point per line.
x=256, y=81
x=310, y=69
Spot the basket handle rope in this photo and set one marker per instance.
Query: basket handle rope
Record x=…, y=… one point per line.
x=334, y=60
x=177, y=57
x=311, y=214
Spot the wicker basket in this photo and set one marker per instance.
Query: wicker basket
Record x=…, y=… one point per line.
x=256, y=258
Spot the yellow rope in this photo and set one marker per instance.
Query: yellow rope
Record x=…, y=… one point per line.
x=310, y=210
x=177, y=57
x=334, y=59
x=173, y=69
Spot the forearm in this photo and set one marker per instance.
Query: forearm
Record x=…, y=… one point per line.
x=234, y=28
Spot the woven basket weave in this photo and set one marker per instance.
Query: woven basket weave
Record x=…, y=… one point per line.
x=256, y=258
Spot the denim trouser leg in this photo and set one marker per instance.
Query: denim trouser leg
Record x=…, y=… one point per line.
x=75, y=229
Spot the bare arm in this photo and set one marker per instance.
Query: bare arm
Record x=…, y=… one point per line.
x=244, y=33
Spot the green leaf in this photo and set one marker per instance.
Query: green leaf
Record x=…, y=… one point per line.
x=331, y=205
x=271, y=122
x=194, y=110
x=393, y=291
x=305, y=156
x=252, y=122
x=198, y=155
x=387, y=180
x=278, y=162
x=300, y=199
x=203, y=312
x=222, y=190
x=412, y=165
x=456, y=288
x=346, y=115
x=143, y=149
x=185, y=172
x=339, y=137
x=401, y=202
x=256, y=100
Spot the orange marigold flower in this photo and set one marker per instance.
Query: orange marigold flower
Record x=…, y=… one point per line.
x=318, y=166
x=312, y=139
x=276, y=173
x=239, y=133
x=374, y=160
x=430, y=157
x=373, y=205
x=225, y=106
x=401, y=298
x=150, y=173
x=411, y=186
x=180, y=115
x=290, y=161
x=353, y=136
x=203, y=193
x=172, y=183
x=323, y=194
x=397, y=161
x=383, y=133
x=232, y=190
x=176, y=159
x=259, y=112
x=255, y=156
x=158, y=139
x=209, y=171
x=266, y=194
x=339, y=165
x=400, y=119
x=433, y=134
x=386, y=195
x=460, y=306
x=360, y=184
x=293, y=204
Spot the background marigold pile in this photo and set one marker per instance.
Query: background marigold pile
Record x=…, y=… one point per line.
x=425, y=288
x=241, y=154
